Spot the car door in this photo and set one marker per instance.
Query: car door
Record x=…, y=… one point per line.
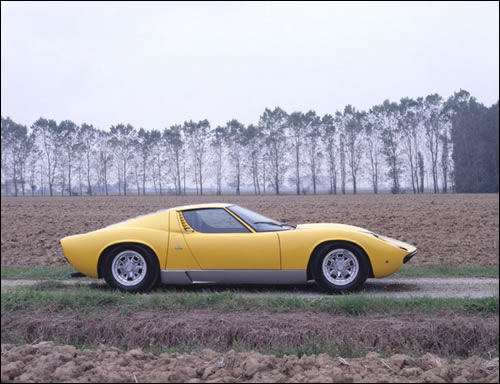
x=218, y=240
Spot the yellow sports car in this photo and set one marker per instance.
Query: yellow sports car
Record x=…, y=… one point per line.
x=229, y=244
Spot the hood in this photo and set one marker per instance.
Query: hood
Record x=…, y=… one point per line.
x=352, y=228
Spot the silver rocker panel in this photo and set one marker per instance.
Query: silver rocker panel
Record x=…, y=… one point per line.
x=186, y=277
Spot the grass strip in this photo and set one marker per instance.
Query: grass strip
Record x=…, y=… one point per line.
x=91, y=299
x=37, y=272
x=62, y=272
x=490, y=271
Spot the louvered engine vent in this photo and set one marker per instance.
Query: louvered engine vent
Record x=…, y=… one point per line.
x=184, y=223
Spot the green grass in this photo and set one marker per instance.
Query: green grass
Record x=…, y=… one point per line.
x=448, y=271
x=56, y=297
x=37, y=272
x=44, y=272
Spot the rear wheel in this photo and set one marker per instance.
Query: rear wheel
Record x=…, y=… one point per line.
x=340, y=267
x=131, y=268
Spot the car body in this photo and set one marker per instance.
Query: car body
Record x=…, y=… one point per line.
x=228, y=244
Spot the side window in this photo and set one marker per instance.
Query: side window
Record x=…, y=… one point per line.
x=213, y=220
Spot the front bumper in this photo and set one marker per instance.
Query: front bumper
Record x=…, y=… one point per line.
x=409, y=256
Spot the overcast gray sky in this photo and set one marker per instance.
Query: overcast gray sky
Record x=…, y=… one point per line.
x=158, y=64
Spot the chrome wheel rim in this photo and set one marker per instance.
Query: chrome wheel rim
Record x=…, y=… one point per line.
x=340, y=266
x=129, y=268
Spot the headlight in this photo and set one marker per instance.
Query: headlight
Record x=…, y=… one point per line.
x=387, y=240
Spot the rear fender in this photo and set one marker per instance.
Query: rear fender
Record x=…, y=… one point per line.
x=84, y=251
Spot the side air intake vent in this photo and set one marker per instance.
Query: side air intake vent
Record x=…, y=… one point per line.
x=184, y=223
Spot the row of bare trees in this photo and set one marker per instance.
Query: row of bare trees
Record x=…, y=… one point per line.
x=409, y=144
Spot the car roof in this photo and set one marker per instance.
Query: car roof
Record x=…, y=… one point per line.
x=200, y=206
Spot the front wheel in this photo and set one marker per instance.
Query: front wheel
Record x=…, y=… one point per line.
x=340, y=267
x=131, y=268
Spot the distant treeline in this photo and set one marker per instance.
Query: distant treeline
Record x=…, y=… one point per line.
x=445, y=145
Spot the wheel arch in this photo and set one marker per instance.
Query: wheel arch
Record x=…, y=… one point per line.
x=107, y=250
x=333, y=242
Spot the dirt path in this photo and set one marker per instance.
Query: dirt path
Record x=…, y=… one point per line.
x=416, y=287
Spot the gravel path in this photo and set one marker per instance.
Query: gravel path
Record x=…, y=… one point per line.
x=396, y=287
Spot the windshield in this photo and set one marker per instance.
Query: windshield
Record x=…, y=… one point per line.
x=259, y=222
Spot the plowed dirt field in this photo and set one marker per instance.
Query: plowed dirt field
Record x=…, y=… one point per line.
x=46, y=362
x=447, y=229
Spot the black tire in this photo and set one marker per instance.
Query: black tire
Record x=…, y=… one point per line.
x=151, y=276
x=322, y=281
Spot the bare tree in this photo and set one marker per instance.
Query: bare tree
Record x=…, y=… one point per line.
x=372, y=126
x=234, y=142
x=312, y=124
x=47, y=131
x=143, y=148
x=410, y=116
x=353, y=134
x=31, y=164
x=17, y=144
x=69, y=132
x=4, y=153
x=174, y=144
x=157, y=160
x=12, y=134
x=421, y=170
x=328, y=130
x=445, y=158
x=198, y=136
x=339, y=122
x=433, y=105
x=297, y=125
x=390, y=135
x=253, y=142
x=342, y=161
x=105, y=155
x=123, y=137
x=273, y=124
x=26, y=156
x=217, y=144
x=88, y=138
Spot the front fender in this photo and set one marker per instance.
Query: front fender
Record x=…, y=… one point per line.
x=298, y=246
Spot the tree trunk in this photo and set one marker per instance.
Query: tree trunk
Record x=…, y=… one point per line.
x=14, y=174
x=106, y=178
x=22, y=178
x=297, y=170
x=144, y=179
x=184, y=176
x=238, y=178
x=264, y=178
x=342, y=165
x=69, y=174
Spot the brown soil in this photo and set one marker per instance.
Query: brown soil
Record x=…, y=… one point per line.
x=46, y=362
x=447, y=229
x=445, y=335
